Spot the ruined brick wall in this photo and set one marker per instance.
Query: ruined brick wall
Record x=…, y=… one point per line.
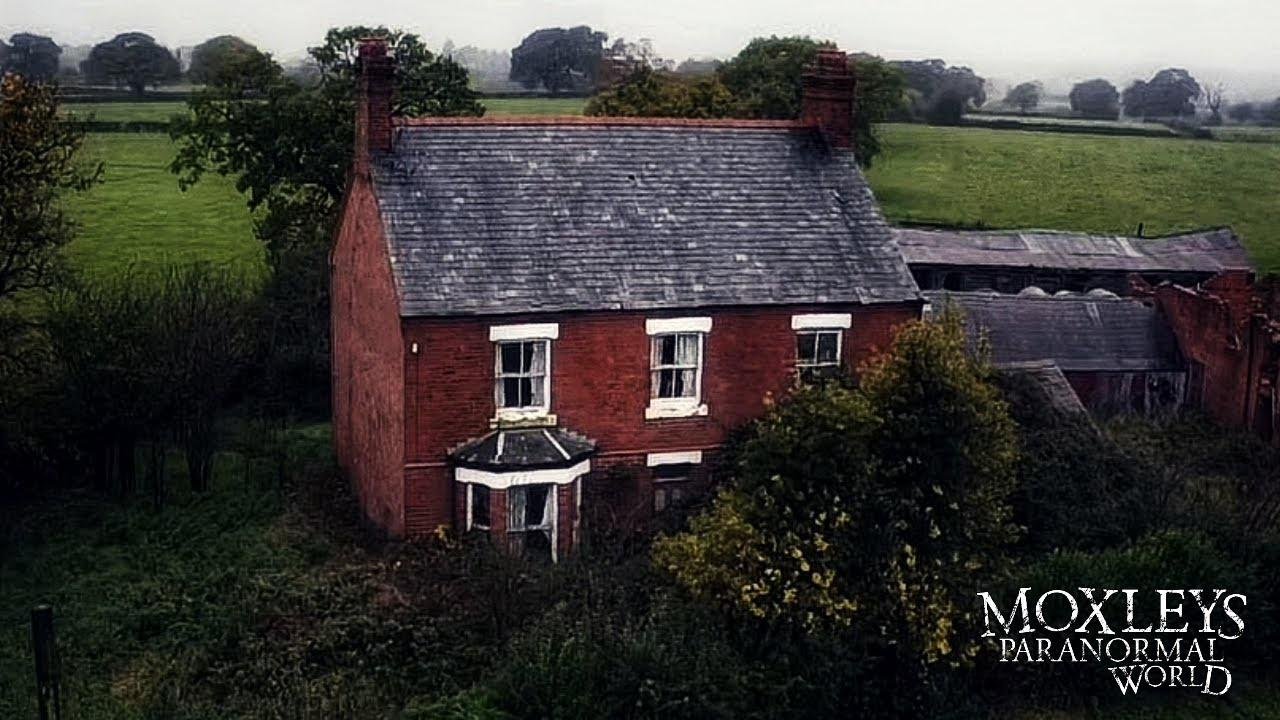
x=368, y=370
x=600, y=387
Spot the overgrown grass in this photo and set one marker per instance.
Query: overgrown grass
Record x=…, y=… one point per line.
x=138, y=214
x=1007, y=179
x=534, y=106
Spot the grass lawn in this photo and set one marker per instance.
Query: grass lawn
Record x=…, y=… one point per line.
x=1008, y=179
x=126, y=111
x=138, y=214
x=534, y=106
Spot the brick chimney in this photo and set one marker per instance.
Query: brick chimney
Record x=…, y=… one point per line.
x=828, y=97
x=373, y=98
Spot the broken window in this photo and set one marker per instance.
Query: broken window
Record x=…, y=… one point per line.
x=479, y=507
x=818, y=354
x=671, y=486
x=522, y=375
x=676, y=365
x=530, y=519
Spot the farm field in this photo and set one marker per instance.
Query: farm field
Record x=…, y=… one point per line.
x=1008, y=179
x=993, y=178
x=533, y=106
x=138, y=214
x=126, y=111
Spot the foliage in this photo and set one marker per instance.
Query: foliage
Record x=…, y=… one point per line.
x=654, y=93
x=154, y=358
x=941, y=93
x=997, y=179
x=559, y=59
x=765, y=81
x=132, y=59
x=38, y=167
x=35, y=57
x=1242, y=112
x=875, y=510
x=1025, y=96
x=218, y=60
x=289, y=147
x=765, y=76
x=1170, y=93
x=1097, y=99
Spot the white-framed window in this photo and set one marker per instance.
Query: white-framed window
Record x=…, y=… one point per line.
x=531, y=520
x=522, y=370
x=819, y=343
x=671, y=485
x=478, y=513
x=676, y=353
x=818, y=354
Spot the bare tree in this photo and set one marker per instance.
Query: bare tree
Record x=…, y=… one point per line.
x=1212, y=99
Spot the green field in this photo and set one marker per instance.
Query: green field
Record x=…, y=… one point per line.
x=138, y=214
x=126, y=111
x=534, y=106
x=991, y=178
x=1007, y=179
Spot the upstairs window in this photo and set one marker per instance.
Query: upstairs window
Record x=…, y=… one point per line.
x=676, y=366
x=819, y=340
x=676, y=350
x=522, y=375
x=818, y=354
x=522, y=370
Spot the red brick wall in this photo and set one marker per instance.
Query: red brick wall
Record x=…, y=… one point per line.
x=1208, y=335
x=600, y=385
x=368, y=369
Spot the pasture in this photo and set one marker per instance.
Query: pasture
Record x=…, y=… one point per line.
x=138, y=214
x=1008, y=179
x=963, y=176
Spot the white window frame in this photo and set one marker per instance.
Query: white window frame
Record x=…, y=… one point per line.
x=531, y=332
x=660, y=408
x=470, y=490
x=815, y=364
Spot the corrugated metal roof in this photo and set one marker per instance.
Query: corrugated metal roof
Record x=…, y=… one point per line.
x=1078, y=332
x=488, y=218
x=1207, y=251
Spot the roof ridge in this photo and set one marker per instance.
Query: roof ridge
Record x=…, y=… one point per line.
x=603, y=121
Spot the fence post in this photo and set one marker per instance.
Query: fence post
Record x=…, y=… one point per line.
x=47, y=668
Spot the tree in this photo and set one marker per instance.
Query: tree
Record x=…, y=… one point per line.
x=766, y=81
x=942, y=93
x=289, y=146
x=559, y=59
x=132, y=59
x=213, y=59
x=38, y=165
x=34, y=57
x=1025, y=96
x=1242, y=112
x=655, y=93
x=878, y=510
x=1269, y=113
x=1097, y=99
x=1170, y=93
x=1213, y=95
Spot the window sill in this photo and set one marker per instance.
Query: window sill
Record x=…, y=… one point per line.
x=674, y=410
x=505, y=421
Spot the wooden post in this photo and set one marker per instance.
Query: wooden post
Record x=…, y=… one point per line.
x=47, y=669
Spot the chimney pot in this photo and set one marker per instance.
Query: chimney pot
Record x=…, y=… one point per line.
x=828, y=97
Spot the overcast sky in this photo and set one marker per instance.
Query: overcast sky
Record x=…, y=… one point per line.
x=1232, y=40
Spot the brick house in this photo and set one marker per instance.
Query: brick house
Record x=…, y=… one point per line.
x=539, y=318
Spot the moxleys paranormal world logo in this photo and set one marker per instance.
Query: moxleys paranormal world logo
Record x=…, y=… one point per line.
x=1182, y=648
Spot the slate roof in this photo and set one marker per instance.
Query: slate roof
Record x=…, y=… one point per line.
x=523, y=449
x=1208, y=251
x=1041, y=387
x=488, y=217
x=1079, y=333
